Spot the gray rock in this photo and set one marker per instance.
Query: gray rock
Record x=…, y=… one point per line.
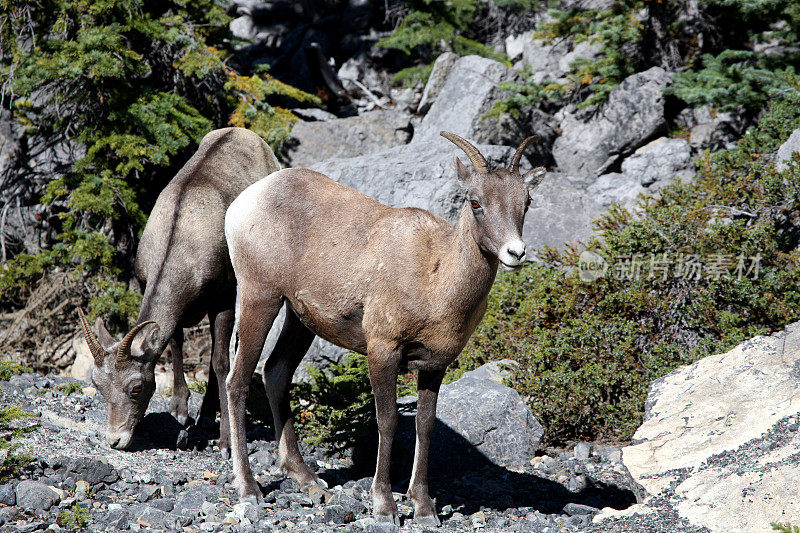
x=553, y=61
x=118, y=519
x=560, y=212
x=491, y=417
x=420, y=174
x=243, y=28
x=248, y=510
x=469, y=91
x=594, y=140
x=91, y=470
x=659, y=161
x=441, y=68
x=786, y=150
x=582, y=451
x=515, y=44
x=35, y=496
x=716, y=434
x=336, y=514
x=190, y=502
x=163, y=504
x=149, y=515
x=313, y=114
x=495, y=371
x=367, y=133
x=713, y=130
x=7, y=496
x=348, y=503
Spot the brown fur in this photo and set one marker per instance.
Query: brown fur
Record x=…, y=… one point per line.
x=183, y=262
x=400, y=285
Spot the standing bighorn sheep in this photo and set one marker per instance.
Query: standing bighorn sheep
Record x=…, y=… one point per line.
x=401, y=285
x=183, y=262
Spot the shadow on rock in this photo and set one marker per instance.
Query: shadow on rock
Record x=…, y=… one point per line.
x=460, y=474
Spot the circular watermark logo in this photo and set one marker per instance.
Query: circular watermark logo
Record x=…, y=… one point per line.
x=591, y=266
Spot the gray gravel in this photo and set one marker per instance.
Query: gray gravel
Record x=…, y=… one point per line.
x=157, y=487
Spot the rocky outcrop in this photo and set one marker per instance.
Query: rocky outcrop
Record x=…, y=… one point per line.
x=593, y=141
x=420, y=174
x=469, y=91
x=552, y=61
x=367, y=133
x=561, y=211
x=441, y=69
x=647, y=171
x=720, y=437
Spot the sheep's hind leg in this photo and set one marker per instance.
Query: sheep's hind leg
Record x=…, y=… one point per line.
x=292, y=345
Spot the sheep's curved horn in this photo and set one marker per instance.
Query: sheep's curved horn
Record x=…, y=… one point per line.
x=478, y=161
x=98, y=353
x=124, y=350
x=514, y=167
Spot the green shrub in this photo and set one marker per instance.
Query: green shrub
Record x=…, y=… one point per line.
x=199, y=387
x=589, y=350
x=75, y=518
x=784, y=528
x=69, y=388
x=434, y=26
x=336, y=407
x=10, y=368
x=12, y=461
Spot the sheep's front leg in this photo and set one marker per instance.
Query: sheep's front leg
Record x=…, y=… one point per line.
x=254, y=322
x=428, y=383
x=179, y=404
x=383, y=377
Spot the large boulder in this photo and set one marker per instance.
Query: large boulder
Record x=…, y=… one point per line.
x=720, y=438
x=553, y=61
x=420, y=174
x=35, y=496
x=561, y=211
x=368, y=133
x=468, y=92
x=594, y=140
x=647, y=171
x=479, y=421
x=441, y=69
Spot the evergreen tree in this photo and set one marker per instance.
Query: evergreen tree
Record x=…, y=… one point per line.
x=121, y=91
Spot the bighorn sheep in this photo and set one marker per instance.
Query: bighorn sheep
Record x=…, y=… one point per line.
x=183, y=262
x=401, y=285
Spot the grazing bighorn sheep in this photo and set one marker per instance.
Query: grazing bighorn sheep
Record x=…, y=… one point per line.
x=183, y=262
x=401, y=285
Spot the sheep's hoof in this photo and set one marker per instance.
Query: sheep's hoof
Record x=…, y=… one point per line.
x=388, y=519
x=430, y=520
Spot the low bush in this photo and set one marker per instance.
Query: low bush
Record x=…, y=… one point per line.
x=703, y=267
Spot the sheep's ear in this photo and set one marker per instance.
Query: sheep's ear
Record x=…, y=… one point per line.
x=463, y=173
x=105, y=338
x=533, y=177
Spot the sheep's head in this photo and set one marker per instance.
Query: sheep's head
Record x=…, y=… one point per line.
x=498, y=200
x=124, y=373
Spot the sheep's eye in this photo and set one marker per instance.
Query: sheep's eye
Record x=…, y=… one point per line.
x=475, y=204
x=136, y=390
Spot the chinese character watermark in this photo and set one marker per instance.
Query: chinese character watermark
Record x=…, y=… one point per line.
x=660, y=267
